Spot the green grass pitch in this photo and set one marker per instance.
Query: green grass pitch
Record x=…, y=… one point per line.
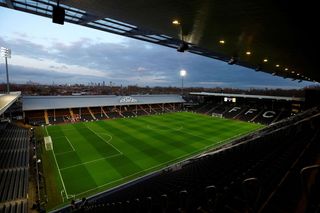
x=90, y=157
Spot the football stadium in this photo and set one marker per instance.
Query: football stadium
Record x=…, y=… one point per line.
x=107, y=148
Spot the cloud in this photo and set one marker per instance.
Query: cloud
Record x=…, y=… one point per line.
x=130, y=61
x=213, y=83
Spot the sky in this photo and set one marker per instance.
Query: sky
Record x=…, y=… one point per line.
x=48, y=53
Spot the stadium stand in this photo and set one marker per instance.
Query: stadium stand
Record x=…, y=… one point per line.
x=36, y=117
x=14, y=168
x=89, y=108
x=97, y=112
x=21, y=206
x=246, y=176
x=257, y=109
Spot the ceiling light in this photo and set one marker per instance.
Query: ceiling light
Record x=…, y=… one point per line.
x=277, y=65
x=298, y=74
x=292, y=72
x=265, y=60
x=221, y=41
x=176, y=22
x=248, y=53
x=286, y=69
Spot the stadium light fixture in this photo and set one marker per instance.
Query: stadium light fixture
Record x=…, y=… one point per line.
x=175, y=22
x=58, y=14
x=183, y=73
x=183, y=45
x=6, y=53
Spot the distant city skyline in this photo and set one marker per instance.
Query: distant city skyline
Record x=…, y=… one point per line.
x=44, y=52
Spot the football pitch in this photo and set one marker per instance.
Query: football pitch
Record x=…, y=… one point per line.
x=90, y=157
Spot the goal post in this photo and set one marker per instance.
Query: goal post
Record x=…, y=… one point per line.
x=48, y=143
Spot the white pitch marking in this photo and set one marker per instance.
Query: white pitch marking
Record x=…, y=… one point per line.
x=92, y=161
x=55, y=159
x=107, y=142
x=70, y=143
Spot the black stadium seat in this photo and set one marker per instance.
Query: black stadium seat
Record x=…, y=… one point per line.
x=14, y=168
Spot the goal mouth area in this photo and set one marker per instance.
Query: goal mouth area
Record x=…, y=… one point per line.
x=48, y=143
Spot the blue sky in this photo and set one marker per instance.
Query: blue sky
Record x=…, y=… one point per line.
x=44, y=52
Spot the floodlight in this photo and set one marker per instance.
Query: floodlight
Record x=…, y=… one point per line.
x=183, y=73
x=5, y=52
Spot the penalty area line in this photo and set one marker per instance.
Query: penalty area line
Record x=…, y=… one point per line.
x=107, y=142
x=88, y=162
x=70, y=143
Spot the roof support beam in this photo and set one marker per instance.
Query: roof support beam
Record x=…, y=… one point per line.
x=86, y=18
x=9, y=4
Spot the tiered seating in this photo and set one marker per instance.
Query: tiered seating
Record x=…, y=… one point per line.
x=251, y=113
x=86, y=115
x=267, y=117
x=204, y=108
x=112, y=112
x=59, y=116
x=235, y=111
x=238, y=178
x=141, y=111
x=14, y=166
x=35, y=117
x=20, y=206
x=14, y=183
x=221, y=108
x=168, y=108
x=158, y=108
x=97, y=112
x=128, y=111
x=246, y=111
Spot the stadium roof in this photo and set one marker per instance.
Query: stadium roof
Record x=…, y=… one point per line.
x=248, y=96
x=6, y=100
x=277, y=37
x=64, y=102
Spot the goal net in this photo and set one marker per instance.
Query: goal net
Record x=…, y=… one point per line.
x=48, y=143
